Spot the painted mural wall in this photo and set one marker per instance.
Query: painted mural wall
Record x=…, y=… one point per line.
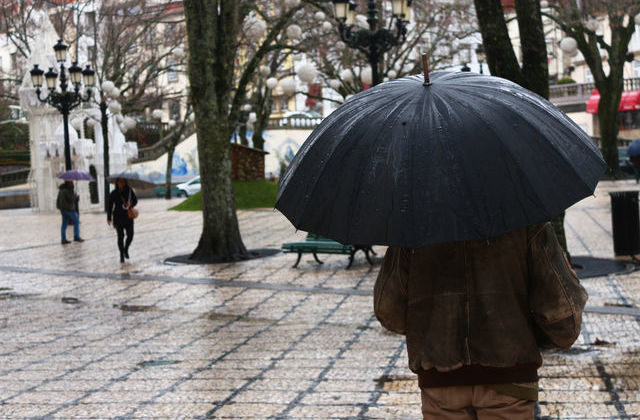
x=281, y=146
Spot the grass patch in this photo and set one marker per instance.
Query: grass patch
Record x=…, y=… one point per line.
x=249, y=195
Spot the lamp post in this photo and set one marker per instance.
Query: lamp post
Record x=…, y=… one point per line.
x=63, y=100
x=480, y=56
x=374, y=41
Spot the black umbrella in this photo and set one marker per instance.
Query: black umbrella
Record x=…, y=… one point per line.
x=134, y=179
x=465, y=157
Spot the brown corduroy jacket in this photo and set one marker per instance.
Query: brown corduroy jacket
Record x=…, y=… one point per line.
x=490, y=303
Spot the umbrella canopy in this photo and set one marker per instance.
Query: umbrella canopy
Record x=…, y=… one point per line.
x=76, y=175
x=634, y=148
x=464, y=157
x=134, y=179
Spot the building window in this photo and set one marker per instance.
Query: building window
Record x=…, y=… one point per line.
x=636, y=68
x=629, y=120
x=172, y=74
x=588, y=76
x=174, y=110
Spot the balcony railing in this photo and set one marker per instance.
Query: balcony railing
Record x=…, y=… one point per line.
x=573, y=93
x=293, y=123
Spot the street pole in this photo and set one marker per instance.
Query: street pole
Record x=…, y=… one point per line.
x=67, y=145
x=373, y=48
x=105, y=149
x=374, y=41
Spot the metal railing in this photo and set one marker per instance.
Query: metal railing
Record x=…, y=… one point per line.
x=293, y=123
x=16, y=177
x=158, y=148
x=572, y=93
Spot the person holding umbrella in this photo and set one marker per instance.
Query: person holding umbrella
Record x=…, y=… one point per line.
x=67, y=203
x=459, y=175
x=633, y=151
x=121, y=213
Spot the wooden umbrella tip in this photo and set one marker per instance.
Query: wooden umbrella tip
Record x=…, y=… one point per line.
x=425, y=69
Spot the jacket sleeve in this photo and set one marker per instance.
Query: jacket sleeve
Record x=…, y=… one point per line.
x=556, y=297
x=134, y=198
x=390, y=290
x=110, y=208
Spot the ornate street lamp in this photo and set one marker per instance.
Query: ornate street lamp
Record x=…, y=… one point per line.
x=63, y=100
x=480, y=56
x=374, y=41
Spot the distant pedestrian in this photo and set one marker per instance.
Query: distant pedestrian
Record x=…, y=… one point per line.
x=121, y=200
x=67, y=203
x=475, y=313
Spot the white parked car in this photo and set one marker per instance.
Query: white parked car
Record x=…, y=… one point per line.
x=189, y=188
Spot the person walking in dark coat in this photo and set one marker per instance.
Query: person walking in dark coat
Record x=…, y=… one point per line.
x=121, y=199
x=67, y=203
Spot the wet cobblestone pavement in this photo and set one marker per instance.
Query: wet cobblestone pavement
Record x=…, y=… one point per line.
x=82, y=336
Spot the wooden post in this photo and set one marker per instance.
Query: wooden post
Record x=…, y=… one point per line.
x=425, y=69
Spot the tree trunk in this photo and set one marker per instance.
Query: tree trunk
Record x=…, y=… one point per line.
x=212, y=29
x=607, y=117
x=535, y=67
x=170, y=150
x=220, y=239
x=501, y=58
x=262, y=122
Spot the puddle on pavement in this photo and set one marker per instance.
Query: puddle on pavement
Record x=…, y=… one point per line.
x=70, y=300
x=4, y=295
x=620, y=305
x=214, y=316
x=136, y=308
x=397, y=383
x=152, y=363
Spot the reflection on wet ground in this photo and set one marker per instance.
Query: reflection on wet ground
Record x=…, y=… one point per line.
x=83, y=336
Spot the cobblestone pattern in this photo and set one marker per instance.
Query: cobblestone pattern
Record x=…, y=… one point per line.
x=82, y=336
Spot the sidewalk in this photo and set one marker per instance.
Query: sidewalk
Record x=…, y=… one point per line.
x=83, y=337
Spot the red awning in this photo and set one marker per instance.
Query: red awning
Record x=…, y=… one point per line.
x=630, y=101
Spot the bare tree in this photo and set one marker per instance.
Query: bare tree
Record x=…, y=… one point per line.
x=605, y=57
x=219, y=81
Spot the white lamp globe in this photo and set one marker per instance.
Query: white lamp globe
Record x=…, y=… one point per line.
x=271, y=83
x=592, y=24
x=157, y=114
x=288, y=86
x=255, y=29
x=294, y=32
x=178, y=53
x=366, y=76
x=115, y=92
x=107, y=86
x=340, y=46
x=361, y=21
x=115, y=107
x=327, y=27
x=335, y=84
x=76, y=123
x=265, y=71
x=129, y=123
x=320, y=16
x=568, y=45
x=392, y=74
x=346, y=75
x=246, y=108
x=172, y=123
x=253, y=117
x=544, y=4
x=307, y=73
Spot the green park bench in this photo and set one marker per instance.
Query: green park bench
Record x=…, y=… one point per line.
x=316, y=244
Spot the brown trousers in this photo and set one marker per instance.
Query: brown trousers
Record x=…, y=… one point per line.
x=473, y=402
